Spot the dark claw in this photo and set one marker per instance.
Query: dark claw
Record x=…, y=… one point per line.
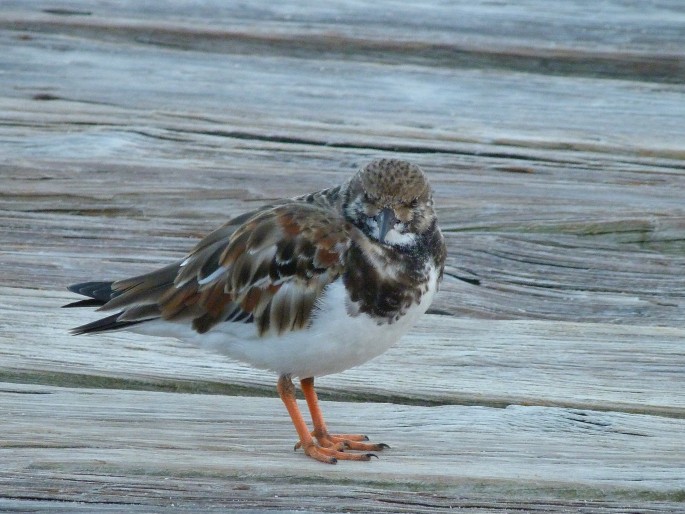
x=383, y=446
x=333, y=460
x=369, y=455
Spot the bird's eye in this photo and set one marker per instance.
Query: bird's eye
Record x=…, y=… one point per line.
x=369, y=199
x=367, y=206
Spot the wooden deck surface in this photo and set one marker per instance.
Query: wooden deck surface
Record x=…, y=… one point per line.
x=549, y=375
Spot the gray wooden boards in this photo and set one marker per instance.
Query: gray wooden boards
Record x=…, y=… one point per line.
x=73, y=439
x=549, y=375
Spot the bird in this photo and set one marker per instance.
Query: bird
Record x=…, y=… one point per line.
x=303, y=287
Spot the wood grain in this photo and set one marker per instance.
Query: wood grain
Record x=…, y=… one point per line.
x=224, y=442
x=443, y=361
x=550, y=374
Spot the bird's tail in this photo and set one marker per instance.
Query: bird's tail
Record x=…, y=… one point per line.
x=98, y=293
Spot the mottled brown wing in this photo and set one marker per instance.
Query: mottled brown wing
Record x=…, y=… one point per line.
x=269, y=270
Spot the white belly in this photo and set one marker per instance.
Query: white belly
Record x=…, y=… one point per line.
x=333, y=342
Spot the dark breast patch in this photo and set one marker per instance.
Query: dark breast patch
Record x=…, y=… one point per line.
x=377, y=292
x=387, y=293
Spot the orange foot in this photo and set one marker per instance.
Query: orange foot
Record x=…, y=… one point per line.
x=342, y=442
x=327, y=448
x=331, y=455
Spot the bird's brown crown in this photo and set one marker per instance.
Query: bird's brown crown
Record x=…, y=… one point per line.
x=388, y=181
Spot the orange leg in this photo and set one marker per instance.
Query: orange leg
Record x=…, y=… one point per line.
x=338, y=441
x=286, y=390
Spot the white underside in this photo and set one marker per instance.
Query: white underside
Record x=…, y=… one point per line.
x=334, y=342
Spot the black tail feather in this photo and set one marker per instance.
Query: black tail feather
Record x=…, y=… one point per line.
x=90, y=302
x=100, y=291
x=103, y=325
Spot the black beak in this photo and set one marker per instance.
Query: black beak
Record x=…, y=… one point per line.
x=386, y=220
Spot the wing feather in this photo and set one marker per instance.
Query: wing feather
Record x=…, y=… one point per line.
x=269, y=269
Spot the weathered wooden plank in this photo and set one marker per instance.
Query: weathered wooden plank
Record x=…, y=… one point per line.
x=419, y=108
x=613, y=39
x=443, y=360
x=617, y=113
x=441, y=456
x=190, y=495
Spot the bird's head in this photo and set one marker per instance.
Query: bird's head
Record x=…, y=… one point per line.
x=390, y=201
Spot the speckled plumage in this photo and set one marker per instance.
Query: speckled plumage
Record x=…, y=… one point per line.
x=305, y=287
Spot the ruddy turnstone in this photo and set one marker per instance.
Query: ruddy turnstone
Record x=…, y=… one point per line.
x=304, y=287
